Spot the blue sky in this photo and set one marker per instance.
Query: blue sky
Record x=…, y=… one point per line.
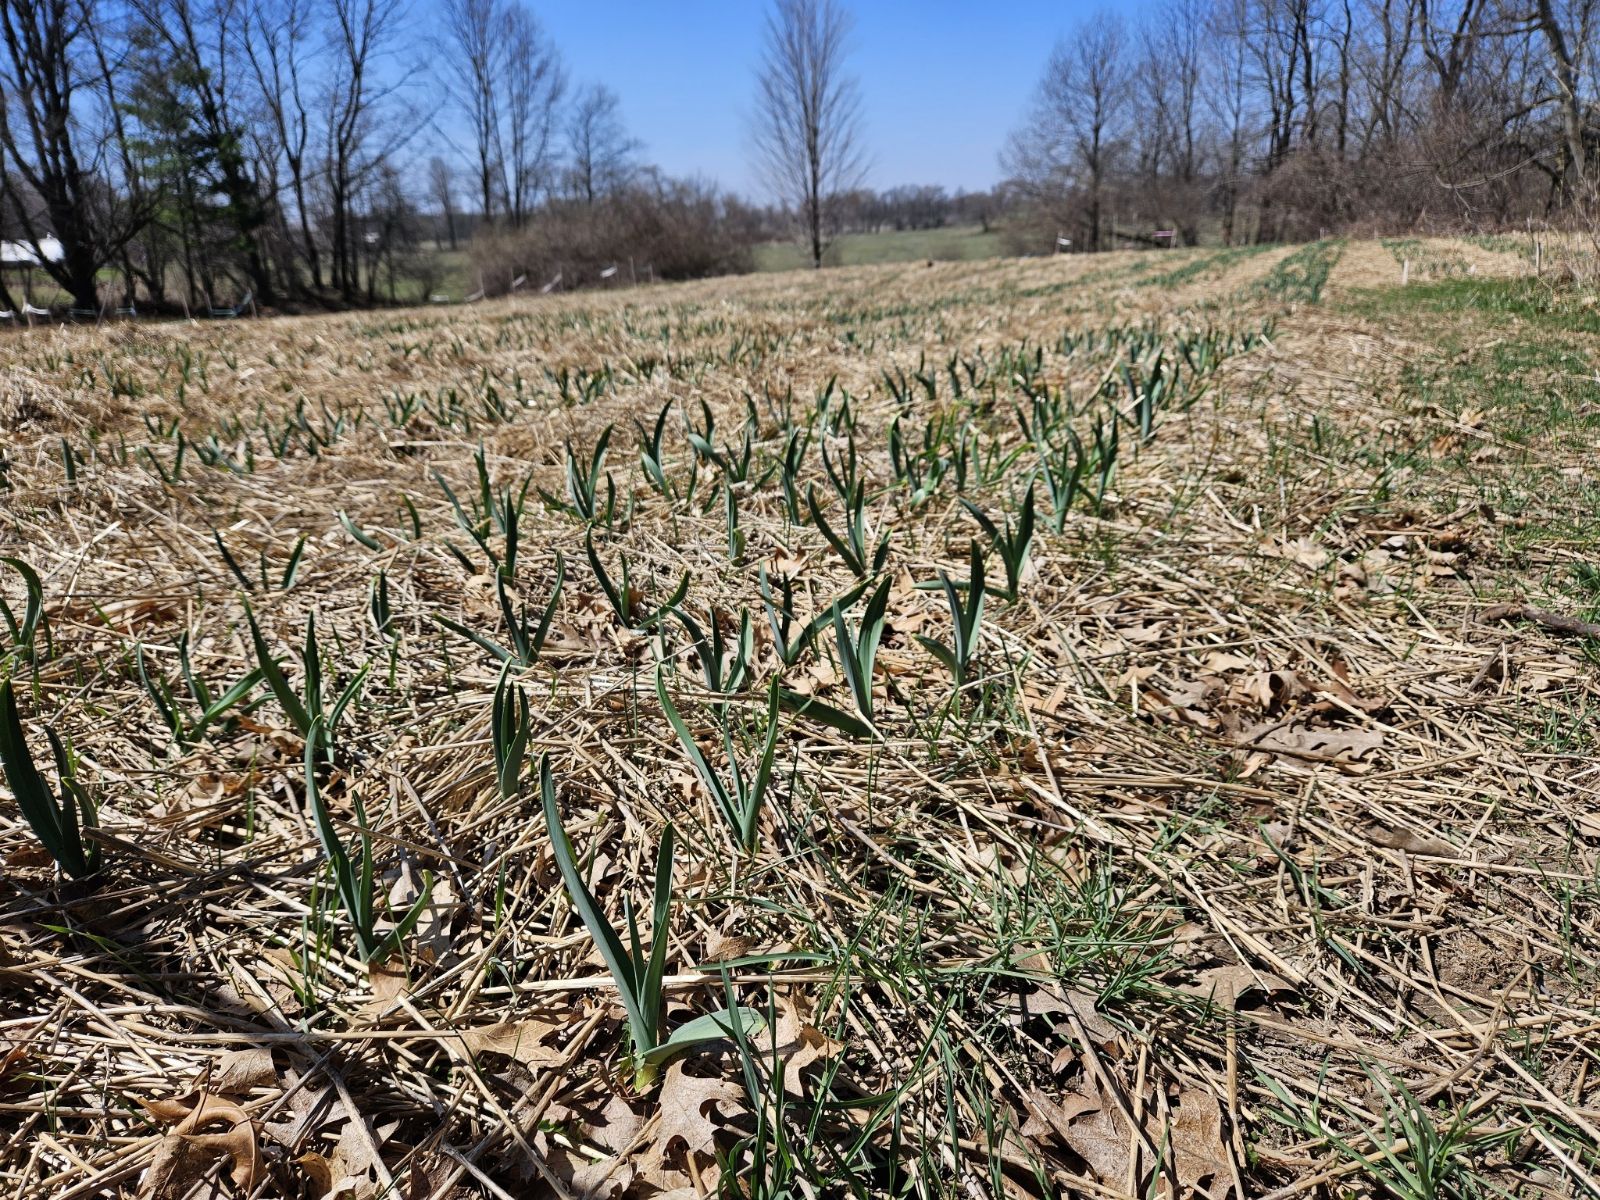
x=942, y=82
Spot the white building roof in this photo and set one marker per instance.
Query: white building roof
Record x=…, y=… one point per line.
x=24, y=254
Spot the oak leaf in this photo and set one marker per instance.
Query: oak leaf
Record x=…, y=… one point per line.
x=522, y=1040
x=1198, y=1150
x=689, y=1104
x=189, y=1150
x=242, y=1071
x=1093, y=1131
x=797, y=1042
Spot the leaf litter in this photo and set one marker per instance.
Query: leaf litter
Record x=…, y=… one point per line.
x=1278, y=789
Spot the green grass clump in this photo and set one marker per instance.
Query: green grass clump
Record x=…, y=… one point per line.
x=1301, y=276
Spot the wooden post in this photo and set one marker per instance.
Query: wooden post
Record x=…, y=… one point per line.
x=1405, y=272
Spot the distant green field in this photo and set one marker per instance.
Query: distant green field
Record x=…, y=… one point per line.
x=955, y=243
x=457, y=277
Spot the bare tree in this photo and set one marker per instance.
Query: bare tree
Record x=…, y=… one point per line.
x=1075, y=136
x=474, y=27
x=1390, y=49
x=277, y=43
x=534, y=85
x=1449, y=37
x=442, y=190
x=1567, y=38
x=199, y=38
x=506, y=77
x=599, y=151
x=1169, y=77
x=1303, y=116
x=360, y=135
x=808, y=112
x=1229, y=106
x=114, y=59
x=54, y=132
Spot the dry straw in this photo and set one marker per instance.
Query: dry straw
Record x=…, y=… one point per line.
x=1223, y=849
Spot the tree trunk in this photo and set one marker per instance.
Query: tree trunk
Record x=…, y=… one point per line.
x=1564, y=69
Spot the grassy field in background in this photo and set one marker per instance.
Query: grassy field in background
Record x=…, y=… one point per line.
x=1110, y=725
x=453, y=274
x=952, y=244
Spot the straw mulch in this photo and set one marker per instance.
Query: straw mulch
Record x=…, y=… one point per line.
x=1272, y=855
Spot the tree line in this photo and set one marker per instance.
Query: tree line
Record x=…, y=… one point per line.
x=181, y=143
x=1286, y=119
x=189, y=151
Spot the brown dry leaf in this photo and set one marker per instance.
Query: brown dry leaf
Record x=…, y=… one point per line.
x=1198, y=1150
x=1225, y=984
x=167, y=1110
x=478, y=598
x=1192, y=693
x=1491, y=671
x=1340, y=687
x=318, y=1170
x=30, y=854
x=348, y=1170
x=784, y=561
x=564, y=642
x=1304, y=741
x=1048, y=998
x=798, y=1042
x=1305, y=551
x=611, y=1132
x=616, y=1126
x=522, y=1040
x=352, y=1160
x=311, y=1108
x=596, y=1179
x=1190, y=701
x=388, y=983
x=1093, y=1131
x=1051, y=704
x=242, y=1071
x=1134, y=676
x=1219, y=662
x=1145, y=634
x=906, y=614
x=723, y=947
x=186, y=1153
x=688, y=1107
x=994, y=859
x=431, y=938
x=817, y=678
x=426, y=1175
x=1273, y=691
x=280, y=976
x=1410, y=842
x=13, y=1058
x=1100, y=1135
